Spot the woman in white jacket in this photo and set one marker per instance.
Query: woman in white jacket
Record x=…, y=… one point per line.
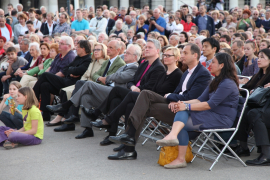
x=178, y=26
x=171, y=24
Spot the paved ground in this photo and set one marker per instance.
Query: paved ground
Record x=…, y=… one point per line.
x=61, y=156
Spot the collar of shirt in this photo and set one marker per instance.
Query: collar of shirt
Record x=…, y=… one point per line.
x=22, y=26
x=267, y=19
x=190, y=71
x=208, y=63
x=130, y=64
x=112, y=60
x=24, y=53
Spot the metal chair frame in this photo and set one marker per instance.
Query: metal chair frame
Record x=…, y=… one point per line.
x=206, y=137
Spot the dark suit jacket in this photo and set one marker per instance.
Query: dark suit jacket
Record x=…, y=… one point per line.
x=240, y=63
x=27, y=56
x=210, y=24
x=110, y=25
x=150, y=77
x=196, y=84
x=44, y=28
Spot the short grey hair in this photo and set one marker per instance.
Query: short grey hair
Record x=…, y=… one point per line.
x=43, y=7
x=138, y=50
x=155, y=42
x=68, y=41
x=131, y=30
x=36, y=45
x=177, y=38
x=105, y=35
x=26, y=41
x=201, y=38
x=19, y=5
x=119, y=20
x=268, y=10
x=123, y=8
x=141, y=33
x=143, y=41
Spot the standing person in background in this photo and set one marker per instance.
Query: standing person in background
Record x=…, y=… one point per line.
x=80, y=25
x=9, y=8
x=203, y=21
x=6, y=30
x=14, y=18
x=141, y=26
x=158, y=22
x=98, y=24
x=32, y=17
x=110, y=22
x=20, y=8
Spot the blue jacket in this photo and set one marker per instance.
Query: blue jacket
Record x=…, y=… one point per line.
x=266, y=25
x=210, y=24
x=196, y=84
x=258, y=23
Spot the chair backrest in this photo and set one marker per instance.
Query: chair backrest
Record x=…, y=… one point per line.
x=241, y=107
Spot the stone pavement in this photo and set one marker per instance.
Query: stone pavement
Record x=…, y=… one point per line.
x=61, y=156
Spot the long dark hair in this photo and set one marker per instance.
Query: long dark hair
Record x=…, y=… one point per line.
x=228, y=71
x=254, y=80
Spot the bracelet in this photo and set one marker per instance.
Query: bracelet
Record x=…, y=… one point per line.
x=187, y=107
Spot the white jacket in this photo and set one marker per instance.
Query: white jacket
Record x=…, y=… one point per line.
x=98, y=26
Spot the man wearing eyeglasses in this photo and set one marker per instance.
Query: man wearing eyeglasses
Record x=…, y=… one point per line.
x=98, y=24
x=256, y=19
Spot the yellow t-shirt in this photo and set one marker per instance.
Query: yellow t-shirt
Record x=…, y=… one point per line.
x=33, y=114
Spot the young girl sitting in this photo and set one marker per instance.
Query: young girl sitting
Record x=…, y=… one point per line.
x=12, y=121
x=250, y=66
x=33, y=128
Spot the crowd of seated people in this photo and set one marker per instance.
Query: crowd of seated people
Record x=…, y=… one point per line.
x=180, y=68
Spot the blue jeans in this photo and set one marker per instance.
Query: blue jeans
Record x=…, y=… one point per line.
x=184, y=117
x=13, y=121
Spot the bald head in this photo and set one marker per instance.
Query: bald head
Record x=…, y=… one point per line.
x=156, y=13
x=2, y=12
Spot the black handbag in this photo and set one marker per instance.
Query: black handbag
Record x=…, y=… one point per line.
x=259, y=97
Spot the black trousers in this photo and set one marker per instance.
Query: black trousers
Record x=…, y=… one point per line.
x=242, y=133
x=48, y=84
x=115, y=97
x=124, y=108
x=63, y=96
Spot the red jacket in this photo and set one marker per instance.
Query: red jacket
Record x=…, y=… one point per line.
x=187, y=26
x=39, y=61
x=9, y=29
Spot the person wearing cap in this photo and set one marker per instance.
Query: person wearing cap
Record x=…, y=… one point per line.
x=245, y=22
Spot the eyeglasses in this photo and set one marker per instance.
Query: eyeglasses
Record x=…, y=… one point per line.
x=97, y=50
x=167, y=55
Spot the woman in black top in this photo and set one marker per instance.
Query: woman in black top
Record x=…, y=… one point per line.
x=261, y=126
x=167, y=83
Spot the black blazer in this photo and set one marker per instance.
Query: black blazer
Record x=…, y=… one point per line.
x=44, y=28
x=77, y=67
x=110, y=25
x=150, y=77
x=196, y=84
x=240, y=63
x=210, y=24
x=27, y=56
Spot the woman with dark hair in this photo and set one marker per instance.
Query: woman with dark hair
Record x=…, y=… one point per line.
x=183, y=37
x=261, y=126
x=183, y=67
x=215, y=108
x=130, y=8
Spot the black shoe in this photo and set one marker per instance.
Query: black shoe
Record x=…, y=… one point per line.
x=106, y=142
x=122, y=155
x=65, y=127
x=241, y=152
x=90, y=113
x=123, y=139
x=56, y=108
x=122, y=146
x=53, y=124
x=88, y=132
x=72, y=119
x=260, y=161
x=99, y=124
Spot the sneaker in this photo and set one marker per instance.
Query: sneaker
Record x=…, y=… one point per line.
x=10, y=145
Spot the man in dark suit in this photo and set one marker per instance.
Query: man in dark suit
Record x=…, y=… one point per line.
x=205, y=22
x=92, y=94
x=149, y=104
x=111, y=22
x=24, y=46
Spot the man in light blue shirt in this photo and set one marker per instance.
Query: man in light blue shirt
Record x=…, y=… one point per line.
x=80, y=26
x=159, y=22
